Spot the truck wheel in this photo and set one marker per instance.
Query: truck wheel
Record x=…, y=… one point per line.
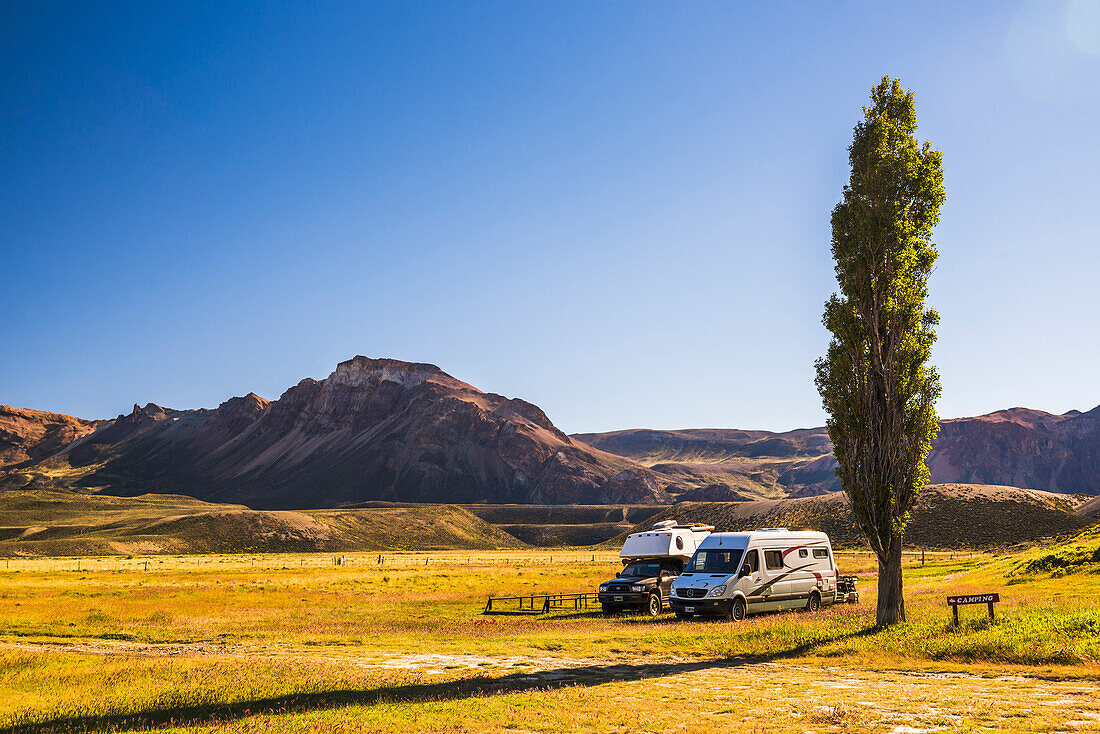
x=814, y=604
x=653, y=608
x=737, y=610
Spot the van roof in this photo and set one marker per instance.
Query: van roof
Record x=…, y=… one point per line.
x=743, y=539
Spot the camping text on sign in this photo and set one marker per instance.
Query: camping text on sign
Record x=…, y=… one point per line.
x=973, y=599
x=988, y=599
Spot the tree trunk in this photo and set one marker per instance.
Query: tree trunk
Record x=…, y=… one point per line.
x=891, y=604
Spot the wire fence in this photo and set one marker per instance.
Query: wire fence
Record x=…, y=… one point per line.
x=292, y=561
x=385, y=560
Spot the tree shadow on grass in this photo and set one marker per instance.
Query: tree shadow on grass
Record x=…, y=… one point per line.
x=453, y=690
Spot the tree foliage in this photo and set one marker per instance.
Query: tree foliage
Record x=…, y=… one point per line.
x=875, y=382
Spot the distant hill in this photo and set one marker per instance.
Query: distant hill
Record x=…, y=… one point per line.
x=558, y=525
x=1016, y=447
x=945, y=516
x=375, y=429
x=1090, y=508
x=62, y=522
x=26, y=436
x=1023, y=448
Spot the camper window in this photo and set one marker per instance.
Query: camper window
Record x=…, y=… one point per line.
x=821, y=552
x=773, y=559
x=803, y=553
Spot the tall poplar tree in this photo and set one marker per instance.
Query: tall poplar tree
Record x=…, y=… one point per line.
x=875, y=381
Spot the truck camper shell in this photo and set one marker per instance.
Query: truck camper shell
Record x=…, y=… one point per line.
x=666, y=540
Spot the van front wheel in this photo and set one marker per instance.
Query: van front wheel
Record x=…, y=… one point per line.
x=814, y=604
x=737, y=610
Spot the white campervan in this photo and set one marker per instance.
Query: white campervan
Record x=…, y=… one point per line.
x=734, y=574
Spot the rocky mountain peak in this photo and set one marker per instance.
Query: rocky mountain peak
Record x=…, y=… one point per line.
x=250, y=403
x=151, y=412
x=237, y=413
x=363, y=371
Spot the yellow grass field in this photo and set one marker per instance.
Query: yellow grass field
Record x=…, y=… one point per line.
x=294, y=643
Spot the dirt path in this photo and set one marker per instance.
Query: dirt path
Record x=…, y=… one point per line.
x=788, y=696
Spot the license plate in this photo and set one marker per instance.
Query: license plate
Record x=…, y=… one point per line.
x=618, y=598
x=689, y=609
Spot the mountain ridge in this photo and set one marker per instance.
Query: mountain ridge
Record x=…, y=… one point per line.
x=394, y=431
x=1020, y=447
x=375, y=429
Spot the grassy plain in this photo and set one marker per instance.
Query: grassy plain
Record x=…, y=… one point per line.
x=295, y=643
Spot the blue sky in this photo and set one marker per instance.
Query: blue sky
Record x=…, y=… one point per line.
x=618, y=211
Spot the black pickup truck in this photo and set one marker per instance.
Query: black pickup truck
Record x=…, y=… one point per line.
x=642, y=585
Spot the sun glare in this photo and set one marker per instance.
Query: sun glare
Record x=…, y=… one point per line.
x=1083, y=25
x=1052, y=50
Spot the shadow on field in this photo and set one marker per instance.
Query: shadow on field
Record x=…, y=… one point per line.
x=454, y=690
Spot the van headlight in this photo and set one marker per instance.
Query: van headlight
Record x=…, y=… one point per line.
x=718, y=590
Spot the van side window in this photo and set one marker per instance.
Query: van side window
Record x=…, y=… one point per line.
x=752, y=560
x=773, y=559
x=821, y=552
x=803, y=553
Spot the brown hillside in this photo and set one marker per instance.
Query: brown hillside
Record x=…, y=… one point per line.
x=945, y=516
x=30, y=435
x=68, y=523
x=1090, y=508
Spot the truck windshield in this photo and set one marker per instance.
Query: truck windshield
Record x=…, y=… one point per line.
x=641, y=570
x=715, y=560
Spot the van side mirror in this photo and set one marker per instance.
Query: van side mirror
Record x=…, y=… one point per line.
x=745, y=570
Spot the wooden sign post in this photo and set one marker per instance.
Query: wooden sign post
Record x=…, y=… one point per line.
x=989, y=599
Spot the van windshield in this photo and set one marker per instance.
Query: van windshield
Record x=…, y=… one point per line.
x=715, y=560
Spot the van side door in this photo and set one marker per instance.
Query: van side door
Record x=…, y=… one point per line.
x=761, y=589
x=775, y=586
